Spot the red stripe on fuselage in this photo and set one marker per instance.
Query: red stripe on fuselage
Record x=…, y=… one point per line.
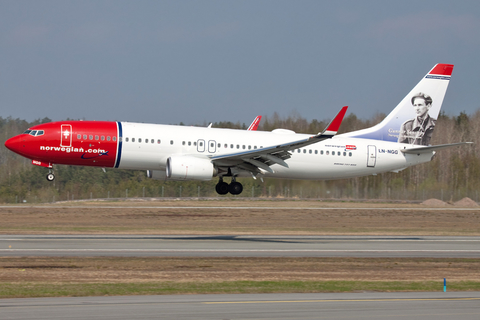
x=83, y=143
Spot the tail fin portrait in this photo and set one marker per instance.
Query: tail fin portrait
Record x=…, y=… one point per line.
x=413, y=119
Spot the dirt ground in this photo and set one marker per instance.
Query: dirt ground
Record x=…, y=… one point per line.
x=235, y=218
x=239, y=218
x=130, y=270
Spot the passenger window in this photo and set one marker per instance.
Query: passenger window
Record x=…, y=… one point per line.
x=255, y=147
x=90, y=137
x=158, y=141
x=327, y=153
x=304, y=150
x=85, y=137
x=349, y=154
x=133, y=139
x=231, y=146
x=139, y=139
x=243, y=146
x=152, y=141
x=194, y=143
x=298, y=150
x=226, y=146
x=126, y=139
x=189, y=143
x=219, y=145
x=212, y=144
x=249, y=147
x=79, y=136
x=238, y=146
x=310, y=151
x=183, y=143
x=321, y=152
x=316, y=151
x=114, y=138
x=103, y=138
x=97, y=137
x=108, y=138
x=171, y=141
x=344, y=154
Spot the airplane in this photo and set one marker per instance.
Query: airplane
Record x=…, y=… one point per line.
x=171, y=152
x=252, y=127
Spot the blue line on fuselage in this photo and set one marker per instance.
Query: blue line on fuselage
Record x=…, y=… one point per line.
x=120, y=138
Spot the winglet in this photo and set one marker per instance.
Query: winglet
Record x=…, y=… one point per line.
x=333, y=127
x=255, y=123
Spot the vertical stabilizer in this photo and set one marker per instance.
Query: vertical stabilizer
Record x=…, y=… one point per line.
x=413, y=119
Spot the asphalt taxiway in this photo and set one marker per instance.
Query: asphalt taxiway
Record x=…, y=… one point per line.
x=240, y=246
x=417, y=305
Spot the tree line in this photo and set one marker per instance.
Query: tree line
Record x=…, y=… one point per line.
x=454, y=173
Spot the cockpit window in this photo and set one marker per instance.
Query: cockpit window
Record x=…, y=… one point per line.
x=34, y=133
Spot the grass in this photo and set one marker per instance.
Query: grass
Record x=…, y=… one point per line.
x=30, y=290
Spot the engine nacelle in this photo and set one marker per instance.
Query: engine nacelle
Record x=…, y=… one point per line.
x=157, y=174
x=189, y=168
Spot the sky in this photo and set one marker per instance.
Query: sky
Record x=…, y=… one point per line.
x=207, y=61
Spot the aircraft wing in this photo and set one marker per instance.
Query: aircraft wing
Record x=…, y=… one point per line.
x=255, y=123
x=260, y=160
x=427, y=149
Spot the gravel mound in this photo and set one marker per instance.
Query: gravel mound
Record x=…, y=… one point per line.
x=434, y=203
x=466, y=202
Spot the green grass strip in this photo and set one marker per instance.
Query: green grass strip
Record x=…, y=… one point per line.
x=24, y=290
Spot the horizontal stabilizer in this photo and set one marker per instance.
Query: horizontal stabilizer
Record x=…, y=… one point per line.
x=428, y=149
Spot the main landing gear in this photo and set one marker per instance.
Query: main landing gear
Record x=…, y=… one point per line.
x=234, y=187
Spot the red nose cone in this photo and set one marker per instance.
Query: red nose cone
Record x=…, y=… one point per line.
x=13, y=144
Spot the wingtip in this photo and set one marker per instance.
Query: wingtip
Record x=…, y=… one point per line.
x=337, y=121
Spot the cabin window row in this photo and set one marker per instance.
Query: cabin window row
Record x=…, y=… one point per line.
x=333, y=153
x=97, y=137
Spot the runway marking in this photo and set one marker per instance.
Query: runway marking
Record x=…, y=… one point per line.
x=340, y=300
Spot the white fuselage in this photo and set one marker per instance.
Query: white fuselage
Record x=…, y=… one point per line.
x=148, y=146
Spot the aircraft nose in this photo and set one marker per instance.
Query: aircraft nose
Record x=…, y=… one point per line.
x=14, y=144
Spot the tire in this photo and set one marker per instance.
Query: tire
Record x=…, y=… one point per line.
x=221, y=188
x=235, y=188
x=50, y=177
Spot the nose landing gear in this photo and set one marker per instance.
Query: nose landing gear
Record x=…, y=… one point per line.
x=50, y=176
x=234, y=187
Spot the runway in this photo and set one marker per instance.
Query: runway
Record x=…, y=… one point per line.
x=418, y=305
x=240, y=246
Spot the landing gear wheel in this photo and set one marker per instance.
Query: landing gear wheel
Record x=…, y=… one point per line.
x=235, y=187
x=50, y=177
x=221, y=188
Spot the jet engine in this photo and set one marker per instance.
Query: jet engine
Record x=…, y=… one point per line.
x=181, y=167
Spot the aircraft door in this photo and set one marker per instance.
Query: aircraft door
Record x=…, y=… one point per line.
x=201, y=145
x=372, y=156
x=66, y=135
x=212, y=146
